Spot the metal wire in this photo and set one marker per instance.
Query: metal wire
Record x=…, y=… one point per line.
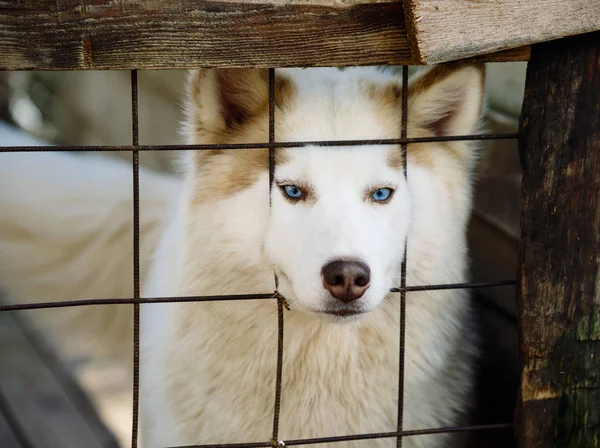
x=136, y=300
x=234, y=146
x=369, y=436
x=471, y=285
x=401, y=359
x=221, y=298
x=279, y=371
x=136, y=258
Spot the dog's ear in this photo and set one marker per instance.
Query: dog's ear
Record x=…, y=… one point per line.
x=220, y=100
x=448, y=99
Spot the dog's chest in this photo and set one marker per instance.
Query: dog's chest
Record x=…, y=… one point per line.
x=337, y=380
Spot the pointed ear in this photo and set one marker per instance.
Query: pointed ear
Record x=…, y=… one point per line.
x=448, y=99
x=220, y=100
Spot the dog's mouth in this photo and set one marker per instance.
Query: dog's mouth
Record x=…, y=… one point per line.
x=340, y=314
x=343, y=312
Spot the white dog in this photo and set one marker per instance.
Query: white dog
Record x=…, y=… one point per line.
x=335, y=238
x=334, y=235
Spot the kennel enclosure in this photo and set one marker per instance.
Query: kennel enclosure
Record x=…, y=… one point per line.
x=559, y=138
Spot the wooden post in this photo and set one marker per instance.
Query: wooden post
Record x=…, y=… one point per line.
x=559, y=143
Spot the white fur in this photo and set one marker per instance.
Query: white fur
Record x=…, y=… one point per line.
x=208, y=369
x=303, y=238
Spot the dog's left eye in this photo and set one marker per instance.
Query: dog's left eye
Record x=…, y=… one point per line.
x=381, y=195
x=293, y=191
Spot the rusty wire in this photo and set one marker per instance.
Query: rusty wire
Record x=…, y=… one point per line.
x=221, y=298
x=238, y=146
x=136, y=257
x=404, y=147
x=279, y=369
x=136, y=300
x=353, y=437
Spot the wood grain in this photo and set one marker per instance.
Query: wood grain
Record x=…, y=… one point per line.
x=45, y=404
x=162, y=34
x=560, y=246
x=338, y=3
x=444, y=30
x=511, y=55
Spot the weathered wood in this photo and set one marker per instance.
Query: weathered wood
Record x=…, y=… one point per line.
x=511, y=55
x=444, y=30
x=560, y=247
x=162, y=34
x=44, y=402
x=65, y=34
x=339, y=3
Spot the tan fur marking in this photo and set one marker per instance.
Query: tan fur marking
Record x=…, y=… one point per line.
x=388, y=99
x=394, y=159
x=224, y=172
x=389, y=95
x=439, y=72
x=282, y=155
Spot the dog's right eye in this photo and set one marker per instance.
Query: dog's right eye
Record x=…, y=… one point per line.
x=292, y=191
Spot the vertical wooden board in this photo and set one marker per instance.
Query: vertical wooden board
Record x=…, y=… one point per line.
x=444, y=30
x=39, y=404
x=560, y=246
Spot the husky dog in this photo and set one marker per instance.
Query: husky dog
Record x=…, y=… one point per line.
x=334, y=235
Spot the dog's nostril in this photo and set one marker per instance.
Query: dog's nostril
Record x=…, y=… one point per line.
x=346, y=280
x=361, y=281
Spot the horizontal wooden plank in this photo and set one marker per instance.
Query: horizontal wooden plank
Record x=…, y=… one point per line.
x=161, y=34
x=444, y=30
x=511, y=55
x=338, y=3
x=46, y=407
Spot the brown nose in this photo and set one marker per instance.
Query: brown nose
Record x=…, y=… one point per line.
x=346, y=280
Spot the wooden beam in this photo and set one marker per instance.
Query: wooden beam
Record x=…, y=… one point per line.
x=560, y=246
x=162, y=34
x=445, y=30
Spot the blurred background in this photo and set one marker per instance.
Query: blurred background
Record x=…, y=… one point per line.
x=94, y=108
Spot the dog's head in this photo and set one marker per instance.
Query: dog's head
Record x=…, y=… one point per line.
x=340, y=215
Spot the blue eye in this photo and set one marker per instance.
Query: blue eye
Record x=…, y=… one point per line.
x=382, y=194
x=293, y=191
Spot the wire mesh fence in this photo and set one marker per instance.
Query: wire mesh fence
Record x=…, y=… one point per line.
x=136, y=300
